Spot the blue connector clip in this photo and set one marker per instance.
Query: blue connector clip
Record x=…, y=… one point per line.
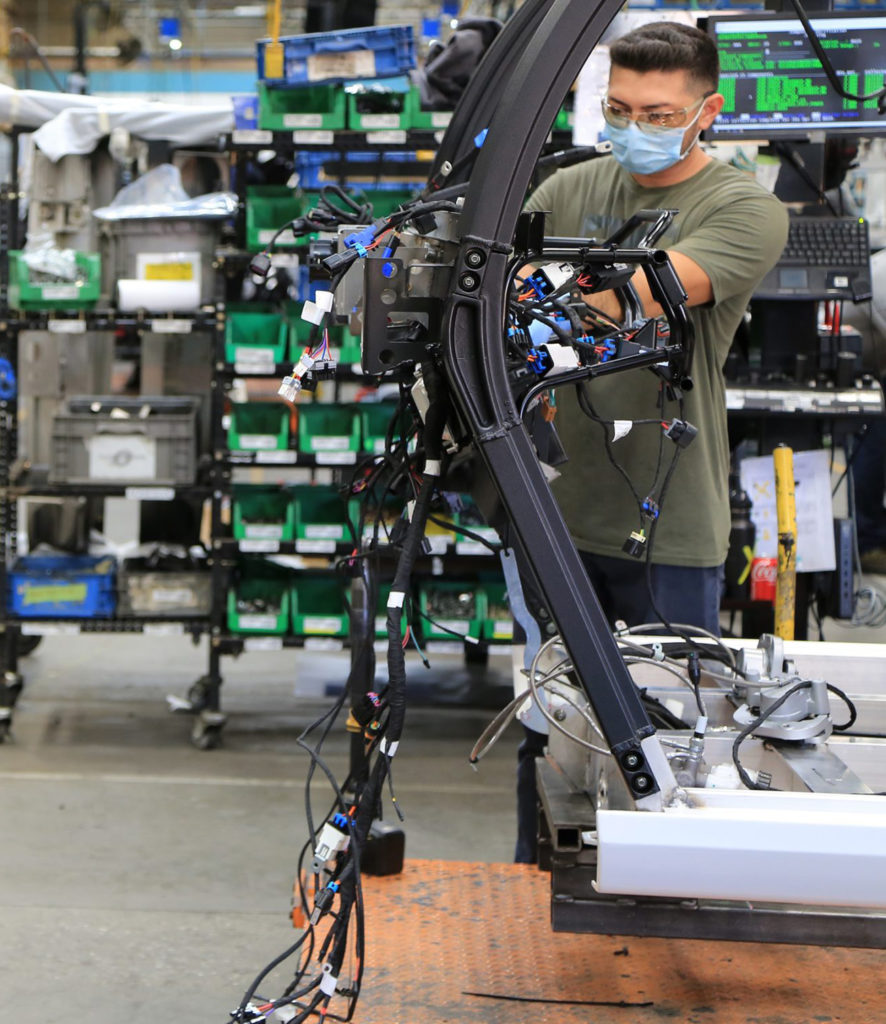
x=341, y=821
x=359, y=241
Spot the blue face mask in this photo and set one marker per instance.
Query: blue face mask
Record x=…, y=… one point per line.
x=644, y=152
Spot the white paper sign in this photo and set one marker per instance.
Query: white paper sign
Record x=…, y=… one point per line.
x=122, y=457
x=812, y=497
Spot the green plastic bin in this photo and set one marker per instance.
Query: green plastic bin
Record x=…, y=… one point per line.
x=320, y=514
x=259, y=604
x=382, y=105
x=306, y=107
x=328, y=428
x=83, y=293
x=255, y=337
x=268, y=208
x=375, y=419
x=263, y=513
x=498, y=622
x=259, y=426
x=427, y=120
x=319, y=607
x=458, y=608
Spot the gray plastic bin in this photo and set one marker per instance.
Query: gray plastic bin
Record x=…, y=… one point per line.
x=122, y=242
x=114, y=439
x=163, y=594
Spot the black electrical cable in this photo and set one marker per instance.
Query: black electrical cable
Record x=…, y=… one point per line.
x=465, y=532
x=828, y=68
x=853, y=712
x=757, y=722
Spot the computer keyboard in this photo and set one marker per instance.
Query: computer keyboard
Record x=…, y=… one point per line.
x=827, y=241
x=824, y=258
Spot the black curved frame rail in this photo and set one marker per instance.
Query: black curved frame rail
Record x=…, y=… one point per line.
x=552, y=50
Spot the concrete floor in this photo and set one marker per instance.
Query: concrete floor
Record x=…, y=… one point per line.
x=144, y=881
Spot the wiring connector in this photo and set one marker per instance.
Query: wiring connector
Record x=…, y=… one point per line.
x=333, y=839
x=294, y=382
x=323, y=901
x=635, y=545
x=681, y=432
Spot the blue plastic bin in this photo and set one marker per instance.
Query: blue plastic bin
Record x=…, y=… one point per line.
x=343, y=55
x=62, y=586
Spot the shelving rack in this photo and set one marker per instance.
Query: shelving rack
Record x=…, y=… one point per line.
x=215, y=482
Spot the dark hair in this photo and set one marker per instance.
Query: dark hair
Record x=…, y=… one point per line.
x=667, y=46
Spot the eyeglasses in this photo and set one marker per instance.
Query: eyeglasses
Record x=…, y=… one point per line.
x=649, y=121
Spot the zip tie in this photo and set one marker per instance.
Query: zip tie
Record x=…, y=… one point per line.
x=396, y=599
x=433, y=467
x=389, y=750
x=328, y=981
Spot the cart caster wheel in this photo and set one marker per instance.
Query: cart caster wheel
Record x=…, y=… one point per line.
x=206, y=734
x=26, y=645
x=12, y=685
x=197, y=694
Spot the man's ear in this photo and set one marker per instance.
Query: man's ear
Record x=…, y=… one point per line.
x=712, y=106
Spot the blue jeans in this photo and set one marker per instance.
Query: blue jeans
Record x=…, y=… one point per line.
x=689, y=595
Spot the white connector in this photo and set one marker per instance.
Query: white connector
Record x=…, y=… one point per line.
x=563, y=358
x=330, y=841
x=289, y=388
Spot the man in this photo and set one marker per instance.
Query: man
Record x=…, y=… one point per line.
x=727, y=233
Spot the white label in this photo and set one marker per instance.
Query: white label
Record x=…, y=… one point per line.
x=328, y=644
x=260, y=623
x=302, y=120
x=149, y=493
x=284, y=456
x=263, y=643
x=49, y=629
x=247, y=136
x=389, y=138
x=336, y=458
x=322, y=624
x=264, y=531
x=330, y=443
x=441, y=118
x=256, y=546
x=380, y=121
x=503, y=628
x=471, y=547
x=326, y=531
x=258, y=442
x=173, y=596
x=314, y=138
x=350, y=64
x=455, y=625
x=438, y=543
x=66, y=326
x=443, y=646
x=169, y=326
x=247, y=355
x=60, y=291
x=255, y=369
x=315, y=547
x=164, y=628
x=121, y=457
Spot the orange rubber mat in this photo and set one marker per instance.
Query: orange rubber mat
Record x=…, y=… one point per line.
x=450, y=942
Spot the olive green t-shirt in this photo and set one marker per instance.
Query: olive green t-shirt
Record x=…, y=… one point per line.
x=735, y=231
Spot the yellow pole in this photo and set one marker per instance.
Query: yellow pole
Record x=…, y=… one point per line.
x=274, y=49
x=786, y=516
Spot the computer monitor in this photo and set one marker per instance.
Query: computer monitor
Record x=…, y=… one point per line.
x=775, y=86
